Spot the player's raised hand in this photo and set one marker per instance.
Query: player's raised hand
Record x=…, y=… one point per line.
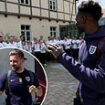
x=33, y=89
x=55, y=50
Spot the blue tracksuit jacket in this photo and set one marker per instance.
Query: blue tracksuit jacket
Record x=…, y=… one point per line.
x=91, y=71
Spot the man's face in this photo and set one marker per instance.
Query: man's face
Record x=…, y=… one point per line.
x=16, y=62
x=11, y=39
x=21, y=38
x=80, y=22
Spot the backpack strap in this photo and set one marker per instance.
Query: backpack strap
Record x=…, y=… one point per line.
x=7, y=79
x=32, y=76
x=9, y=73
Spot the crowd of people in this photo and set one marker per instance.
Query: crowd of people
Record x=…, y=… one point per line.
x=38, y=46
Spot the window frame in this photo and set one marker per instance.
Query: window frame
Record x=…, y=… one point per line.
x=26, y=31
x=53, y=31
x=25, y=2
x=53, y=5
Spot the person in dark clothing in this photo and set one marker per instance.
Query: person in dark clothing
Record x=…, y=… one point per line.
x=18, y=83
x=90, y=69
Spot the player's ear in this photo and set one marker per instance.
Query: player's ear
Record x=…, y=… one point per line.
x=84, y=18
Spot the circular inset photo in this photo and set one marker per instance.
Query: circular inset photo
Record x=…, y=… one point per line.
x=23, y=80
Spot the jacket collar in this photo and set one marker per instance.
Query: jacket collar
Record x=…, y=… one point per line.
x=99, y=34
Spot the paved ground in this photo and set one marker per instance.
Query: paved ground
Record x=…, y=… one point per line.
x=61, y=85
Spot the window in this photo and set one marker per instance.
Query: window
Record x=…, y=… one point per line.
x=25, y=31
x=27, y=2
x=53, y=31
x=52, y=5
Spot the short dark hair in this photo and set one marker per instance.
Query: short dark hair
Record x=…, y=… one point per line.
x=17, y=52
x=92, y=8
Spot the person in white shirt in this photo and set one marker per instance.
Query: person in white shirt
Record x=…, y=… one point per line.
x=12, y=43
x=67, y=45
x=43, y=52
x=36, y=47
x=60, y=42
x=28, y=46
x=75, y=47
x=50, y=40
x=2, y=43
x=49, y=55
x=21, y=43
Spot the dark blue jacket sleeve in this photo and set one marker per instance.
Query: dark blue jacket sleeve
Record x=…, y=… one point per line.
x=94, y=79
x=3, y=78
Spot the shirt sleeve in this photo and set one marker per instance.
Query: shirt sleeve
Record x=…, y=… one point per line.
x=3, y=78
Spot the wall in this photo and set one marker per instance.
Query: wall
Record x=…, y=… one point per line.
x=11, y=25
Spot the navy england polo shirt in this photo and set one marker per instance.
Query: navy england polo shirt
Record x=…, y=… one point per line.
x=18, y=83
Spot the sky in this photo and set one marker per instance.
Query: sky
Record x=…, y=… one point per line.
x=101, y=2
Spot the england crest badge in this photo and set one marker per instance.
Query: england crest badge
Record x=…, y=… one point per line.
x=27, y=79
x=92, y=49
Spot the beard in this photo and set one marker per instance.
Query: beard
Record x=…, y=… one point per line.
x=15, y=68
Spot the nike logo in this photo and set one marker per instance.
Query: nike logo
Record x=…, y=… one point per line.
x=12, y=80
